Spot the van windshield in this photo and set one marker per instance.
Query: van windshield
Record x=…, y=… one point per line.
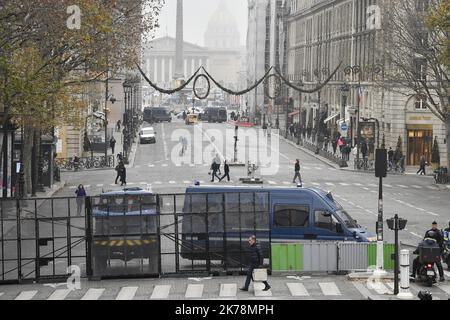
x=349, y=222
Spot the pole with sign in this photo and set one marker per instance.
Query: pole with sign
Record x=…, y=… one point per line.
x=344, y=129
x=380, y=172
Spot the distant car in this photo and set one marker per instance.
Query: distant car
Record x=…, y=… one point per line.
x=147, y=135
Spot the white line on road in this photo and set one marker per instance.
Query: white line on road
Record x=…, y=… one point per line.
x=330, y=184
x=186, y=182
x=416, y=235
x=315, y=183
x=59, y=294
x=329, y=289
x=26, y=295
x=164, y=141
x=367, y=189
x=100, y=185
x=194, y=291
x=387, y=185
x=433, y=214
x=93, y=294
x=158, y=182
x=297, y=289
x=161, y=292
x=272, y=182
x=378, y=287
x=358, y=184
x=164, y=165
x=344, y=184
x=417, y=187
x=287, y=183
x=228, y=290
x=431, y=187
x=151, y=165
x=127, y=293
x=372, y=185
x=172, y=182
x=402, y=186
x=318, y=168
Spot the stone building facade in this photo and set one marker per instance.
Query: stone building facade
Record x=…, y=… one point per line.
x=324, y=33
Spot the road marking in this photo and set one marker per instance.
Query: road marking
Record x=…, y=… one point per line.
x=373, y=191
x=329, y=289
x=357, y=184
x=87, y=186
x=144, y=183
x=93, y=294
x=372, y=185
x=26, y=295
x=387, y=185
x=363, y=290
x=318, y=168
x=285, y=182
x=228, y=290
x=431, y=187
x=445, y=288
x=59, y=294
x=161, y=292
x=351, y=203
x=344, y=184
x=158, y=182
x=72, y=187
x=420, y=209
x=402, y=186
x=164, y=141
x=330, y=184
x=306, y=168
x=416, y=235
x=112, y=184
x=272, y=182
x=378, y=287
x=164, y=165
x=315, y=183
x=297, y=289
x=186, y=182
x=151, y=165
x=447, y=273
x=417, y=187
x=127, y=293
x=367, y=189
x=258, y=288
x=100, y=185
x=433, y=214
x=172, y=182
x=177, y=165
x=194, y=291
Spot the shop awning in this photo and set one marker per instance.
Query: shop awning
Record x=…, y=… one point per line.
x=331, y=117
x=294, y=113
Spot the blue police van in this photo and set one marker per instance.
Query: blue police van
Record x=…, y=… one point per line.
x=218, y=220
x=124, y=227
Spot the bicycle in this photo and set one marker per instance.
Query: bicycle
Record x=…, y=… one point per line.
x=441, y=176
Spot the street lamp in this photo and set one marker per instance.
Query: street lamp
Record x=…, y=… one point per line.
x=112, y=100
x=126, y=119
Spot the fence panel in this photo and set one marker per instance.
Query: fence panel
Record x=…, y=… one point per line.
x=319, y=256
x=352, y=256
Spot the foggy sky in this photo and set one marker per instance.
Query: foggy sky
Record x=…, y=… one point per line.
x=196, y=17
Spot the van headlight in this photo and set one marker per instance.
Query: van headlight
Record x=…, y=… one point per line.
x=372, y=239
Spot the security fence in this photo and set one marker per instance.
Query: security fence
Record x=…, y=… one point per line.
x=149, y=235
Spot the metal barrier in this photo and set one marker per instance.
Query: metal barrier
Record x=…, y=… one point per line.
x=40, y=239
x=95, y=162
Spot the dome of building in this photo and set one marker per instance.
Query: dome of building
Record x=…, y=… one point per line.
x=222, y=32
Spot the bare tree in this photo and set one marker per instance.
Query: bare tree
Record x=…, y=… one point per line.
x=412, y=54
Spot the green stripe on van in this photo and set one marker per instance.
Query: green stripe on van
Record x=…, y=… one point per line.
x=388, y=250
x=287, y=257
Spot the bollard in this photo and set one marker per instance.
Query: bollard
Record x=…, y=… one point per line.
x=404, y=276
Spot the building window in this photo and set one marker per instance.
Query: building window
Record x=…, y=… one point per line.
x=421, y=102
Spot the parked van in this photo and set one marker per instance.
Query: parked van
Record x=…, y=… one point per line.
x=229, y=215
x=215, y=114
x=152, y=115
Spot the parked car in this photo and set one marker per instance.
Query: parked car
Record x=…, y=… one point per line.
x=147, y=135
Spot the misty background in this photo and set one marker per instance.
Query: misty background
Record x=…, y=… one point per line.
x=197, y=14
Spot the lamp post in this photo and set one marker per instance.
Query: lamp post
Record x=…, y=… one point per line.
x=318, y=73
x=112, y=100
x=126, y=119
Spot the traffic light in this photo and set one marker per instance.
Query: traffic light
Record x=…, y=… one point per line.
x=381, y=163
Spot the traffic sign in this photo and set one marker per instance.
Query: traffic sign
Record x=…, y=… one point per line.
x=344, y=127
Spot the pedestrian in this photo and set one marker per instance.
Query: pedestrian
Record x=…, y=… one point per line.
x=119, y=157
x=391, y=158
x=112, y=144
x=297, y=173
x=81, y=196
x=122, y=174
x=218, y=162
x=256, y=261
x=226, y=169
x=264, y=127
x=213, y=171
x=118, y=125
x=364, y=149
x=269, y=129
x=340, y=143
x=423, y=163
x=233, y=115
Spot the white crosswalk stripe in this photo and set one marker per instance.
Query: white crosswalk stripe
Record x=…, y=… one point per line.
x=258, y=287
x=402, y=186
x=379, y=287
x=194, y=291
x=387, y=185
x=127, y=293
x=272, y=182
x=228, y=290
x=329, y=289
x=26, y=295
x=99, y=185
x=172, y=182
x=318, y=168
x=161, y=292
x=286, y=183
x=297, y=289
x=431, y=187
x=93, y=294
x=329, y=184
x=315, y=184
x=151, y=165
x=344, y=184
x=416, y=187
x=186, y=182
x=164, y=165
x=357, y=184
x=59, y=294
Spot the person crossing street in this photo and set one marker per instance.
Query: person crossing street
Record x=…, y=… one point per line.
x=297, y=173
x=257, y=260
x=226, y=169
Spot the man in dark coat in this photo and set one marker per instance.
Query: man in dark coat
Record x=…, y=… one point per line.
x=256, y=261
x=226, y=169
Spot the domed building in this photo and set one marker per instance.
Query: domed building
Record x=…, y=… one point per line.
x=222, y=32
x=222, y=39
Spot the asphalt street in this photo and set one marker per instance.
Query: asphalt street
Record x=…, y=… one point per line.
x=160, y=168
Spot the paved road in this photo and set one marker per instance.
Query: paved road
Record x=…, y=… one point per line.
x=160, y=168
x=218, y=288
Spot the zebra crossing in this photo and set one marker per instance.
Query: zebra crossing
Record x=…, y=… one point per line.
x=325, y=185
x=317, y=290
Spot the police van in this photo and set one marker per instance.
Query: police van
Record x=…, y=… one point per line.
x=218, y=220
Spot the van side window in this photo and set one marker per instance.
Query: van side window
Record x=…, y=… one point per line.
x=291, y=216
x=325, y=220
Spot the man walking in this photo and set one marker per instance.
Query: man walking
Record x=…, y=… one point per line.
x=391, y=158
x=123, y=174
x=297, y=173
x=214, y=168
x=112, y=144
x=422, y=165
x=256, y=261
x=226, y=168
